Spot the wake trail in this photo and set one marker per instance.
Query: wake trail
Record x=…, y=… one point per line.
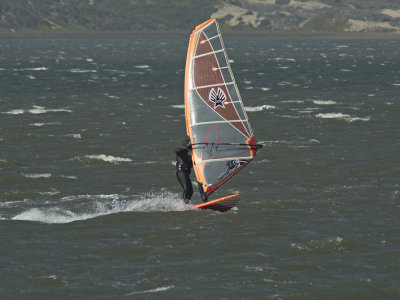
x=84, y=207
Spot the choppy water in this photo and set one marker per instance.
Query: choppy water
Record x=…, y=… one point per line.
x=89, y=203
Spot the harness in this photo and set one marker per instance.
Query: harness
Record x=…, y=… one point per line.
x=182, y=167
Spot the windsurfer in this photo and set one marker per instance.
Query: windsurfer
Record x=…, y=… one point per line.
x=183, y=168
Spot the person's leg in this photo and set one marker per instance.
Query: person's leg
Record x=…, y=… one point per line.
x=186, y=184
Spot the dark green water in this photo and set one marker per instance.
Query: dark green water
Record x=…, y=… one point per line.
x=89, y=202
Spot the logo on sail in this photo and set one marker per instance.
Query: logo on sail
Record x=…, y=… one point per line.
x=218, y=97
x=231, y=166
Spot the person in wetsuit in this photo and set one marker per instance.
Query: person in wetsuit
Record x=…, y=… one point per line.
x=183, y=168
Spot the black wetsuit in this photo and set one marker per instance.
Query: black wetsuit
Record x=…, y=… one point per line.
x=183, y=169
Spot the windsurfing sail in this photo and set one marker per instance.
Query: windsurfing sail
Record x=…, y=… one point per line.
x=216, y=122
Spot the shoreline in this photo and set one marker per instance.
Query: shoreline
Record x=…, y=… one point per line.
x=256, y=34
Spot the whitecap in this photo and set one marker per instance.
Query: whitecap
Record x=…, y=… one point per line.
x=283, y=83
x=305, y=111
x=82, y=71
x=284, y=59
x=327, y=245
x=92, y=197
x=52, y=192
x=44, y=124
x=142, y=67
x=14, y=112
x=259, y=108
x=261, y=161
x=49, y=216
x=37, y=69
x=42, y=110
x=111, y=96
x=68, y=177
x=265, y=89
x=314, y=141
x=75, y=135
x=323, y=102
x=340, y=116
x=180, y=106
x=291, y=117
x=156, y=290
x=108, y=158
x=270, y=143
x=37, y=175
x=293, y=101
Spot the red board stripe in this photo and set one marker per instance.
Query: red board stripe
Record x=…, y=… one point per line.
x=221, y=204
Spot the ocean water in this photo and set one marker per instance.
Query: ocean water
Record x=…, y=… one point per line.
x=90, y=206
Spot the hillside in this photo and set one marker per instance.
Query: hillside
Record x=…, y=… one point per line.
x=376, y=16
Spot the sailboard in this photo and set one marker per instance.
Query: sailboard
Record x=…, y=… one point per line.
x=216, y=121
x=221, y=204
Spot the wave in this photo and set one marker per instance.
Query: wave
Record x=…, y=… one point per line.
x=27, y=69
x=142, y=67
x=322, y=246
x=259, y=108
x=293, y=101
x=107, y=158
x=340, y=116
x=36, y=110
x=156, y=290
x=37, y=69
x=42, y=110
x=14, y=112
x=180, y=106
x=82, y=71
x=69, y=177
x=323, y=102
x=37, y=175
x=84, y=207
x=75, y=136
x=43, y=124
x=284, y=59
